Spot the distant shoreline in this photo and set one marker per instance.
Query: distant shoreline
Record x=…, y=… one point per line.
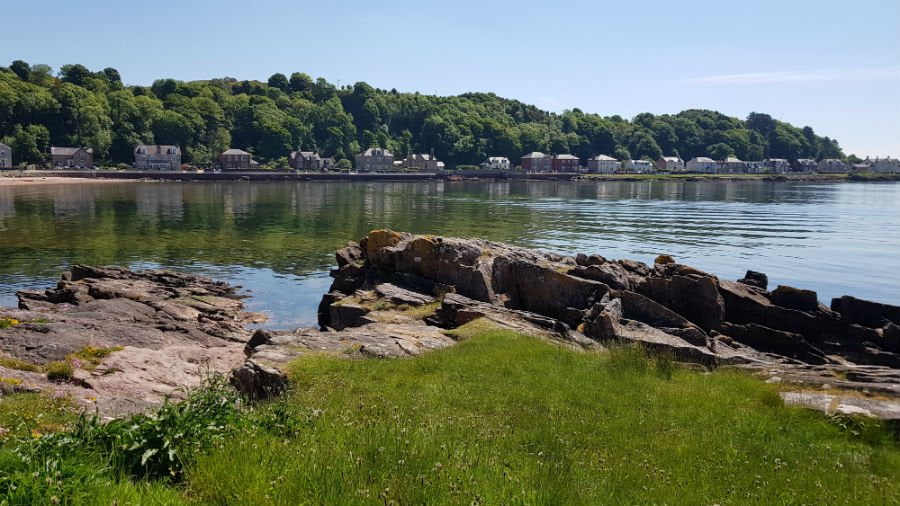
x=21, y=178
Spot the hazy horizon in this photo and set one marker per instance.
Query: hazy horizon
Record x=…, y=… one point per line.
x=831, y=66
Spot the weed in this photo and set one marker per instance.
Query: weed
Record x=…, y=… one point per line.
x=60, y=371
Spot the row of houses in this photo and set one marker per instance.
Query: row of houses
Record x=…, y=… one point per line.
x=168, y=157
x=604, y=164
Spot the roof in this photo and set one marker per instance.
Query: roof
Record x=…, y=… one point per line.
x=776, y=159
x=67, y=150
x=234, y=151
x=806, y=160
x=671, y=158
x=732, y=159
x=376, y=152
x=497, y=159
x=158, y=148
x=5, y=146
x=535, y=154
x=425, y=157
x=604, y=158
x=704, y=159
x=565, y=156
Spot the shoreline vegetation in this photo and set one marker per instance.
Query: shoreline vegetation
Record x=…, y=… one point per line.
x=499, y=418
x=24, y=178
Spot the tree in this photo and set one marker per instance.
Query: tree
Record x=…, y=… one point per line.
x=344, y=164
x=112, y=75
x=720, y=151
x=30, y=143
x=21, y=69
x=75, y=74
x=279, y=81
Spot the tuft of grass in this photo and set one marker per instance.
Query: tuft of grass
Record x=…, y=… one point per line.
x=89, y=357
x=19, y=364
x=60, y=371
x=6, y=322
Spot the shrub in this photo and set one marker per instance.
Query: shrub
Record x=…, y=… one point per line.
x=60, y=371
x=6, y=322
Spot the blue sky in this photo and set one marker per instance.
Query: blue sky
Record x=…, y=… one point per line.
x=833, y=65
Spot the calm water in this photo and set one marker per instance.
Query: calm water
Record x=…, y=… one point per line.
x=278, y=239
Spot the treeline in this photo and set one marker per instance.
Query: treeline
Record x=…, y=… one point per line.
x=80, y=107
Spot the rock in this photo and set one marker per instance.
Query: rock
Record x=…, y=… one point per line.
x=345, y=315
x=795, y=298
x=639, y=268
x=892, y=337
x=399, y=295
x=663, y=260
x=775, y=341
x=259, y=381
x=611, y=274
x=168, y=329
x=694, y=297
x=757, y=279
x=588, y=260
x=864, y=312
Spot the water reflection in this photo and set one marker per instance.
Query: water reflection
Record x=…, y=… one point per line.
x=278, y=239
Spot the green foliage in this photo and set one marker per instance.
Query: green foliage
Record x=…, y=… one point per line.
x=60, y=371
x=498, y=419
x=283, y=114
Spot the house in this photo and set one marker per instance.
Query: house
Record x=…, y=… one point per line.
x=701, y=164
x=564, y=163
x=496, y=163
x=310, y=160
x=731, y=165
x=375, y=160
x=602, y=164
x=884, y=166
x=536, y=162
x=755, y=167
x=777, y=165
x=670, y=164
x=831, y=166
x=157, y=157
x=5, y=156
x=806, y=165
x=638, y=166
x=81, y=158
x=236, y=159
x=423, y=162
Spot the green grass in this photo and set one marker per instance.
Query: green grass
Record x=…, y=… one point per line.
x=498, y=419
x=505, y=419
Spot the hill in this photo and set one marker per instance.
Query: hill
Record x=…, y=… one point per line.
x=78, y=106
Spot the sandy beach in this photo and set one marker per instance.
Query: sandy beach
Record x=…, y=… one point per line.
x=42, y=180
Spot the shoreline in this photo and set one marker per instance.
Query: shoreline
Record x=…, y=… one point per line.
x=25, y=178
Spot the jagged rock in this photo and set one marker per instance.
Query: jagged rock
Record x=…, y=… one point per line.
x=612, y=274
x=694, y=297
x=588, y=260
x=757, y=279
x=795, y=298
x=345, y=315
x=167, y=328
x=775, y=341
x=864, y=312
x=259, y=381
x=892, y=337
x=399, y=295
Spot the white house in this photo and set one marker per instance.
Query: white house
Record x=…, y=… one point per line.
x=886, y=166
x=777, y=165
x=702, y=164
x=831, y=166
x=806, y=165
x=638, y=166
x=670, y=164
x=602, y=164
x=496, y=163
x=731, y=165
x=756, y=167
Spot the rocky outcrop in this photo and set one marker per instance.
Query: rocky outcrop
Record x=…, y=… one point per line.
x=590, y=301
x=133, y=338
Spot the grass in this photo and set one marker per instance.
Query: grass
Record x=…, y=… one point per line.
x=89, y=357
x=19, y=364
x=60, y=371
x=498, y=419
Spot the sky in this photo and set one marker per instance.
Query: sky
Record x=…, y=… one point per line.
x=832, y=65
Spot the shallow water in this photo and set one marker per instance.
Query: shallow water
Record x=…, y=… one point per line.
x=278, y=239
